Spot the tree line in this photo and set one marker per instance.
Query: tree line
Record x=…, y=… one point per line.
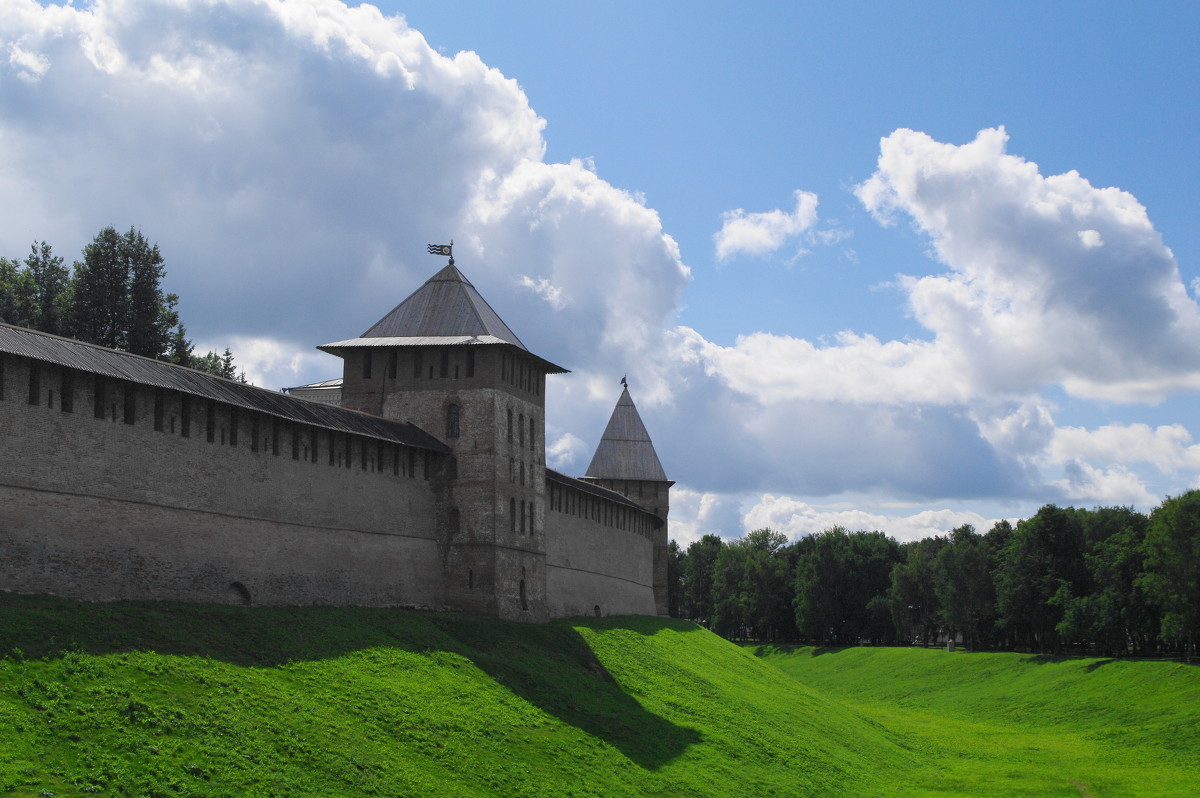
x=112, y=297
x=1110, y=581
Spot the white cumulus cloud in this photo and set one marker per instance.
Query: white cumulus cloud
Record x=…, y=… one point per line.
x=1051, y=281
x=764, y=232
x=798, y=519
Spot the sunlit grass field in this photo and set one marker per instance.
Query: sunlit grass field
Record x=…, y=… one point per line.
x=174, y=699
x=160, y=699
x=1017, y=724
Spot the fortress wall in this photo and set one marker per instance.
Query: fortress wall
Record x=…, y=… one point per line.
x=97, y=508
x=599, y=553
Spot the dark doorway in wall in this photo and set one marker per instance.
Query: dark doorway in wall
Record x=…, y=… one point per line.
x=238, y=594
x=524, y=599
x=596, y=610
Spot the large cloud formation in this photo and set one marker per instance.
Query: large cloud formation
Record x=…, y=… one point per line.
x=293, y=158
x=1052, y=281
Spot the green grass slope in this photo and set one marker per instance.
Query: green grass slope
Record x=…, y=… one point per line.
x=1015, y=724
x=162, y=699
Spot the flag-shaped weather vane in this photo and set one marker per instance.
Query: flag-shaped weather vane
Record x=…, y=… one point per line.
x=443, y=249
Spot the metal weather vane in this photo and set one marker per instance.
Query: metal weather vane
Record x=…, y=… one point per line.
x=443, y=249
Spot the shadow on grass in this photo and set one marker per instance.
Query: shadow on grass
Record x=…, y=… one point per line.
x=772, y=649
x=551, y=666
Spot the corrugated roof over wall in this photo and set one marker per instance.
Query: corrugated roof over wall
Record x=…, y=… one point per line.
x=155, y=373
x=596, y=490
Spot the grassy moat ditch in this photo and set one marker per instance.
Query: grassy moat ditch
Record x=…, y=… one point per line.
x=166, y=699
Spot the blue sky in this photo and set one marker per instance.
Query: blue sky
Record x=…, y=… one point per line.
x=889, y=267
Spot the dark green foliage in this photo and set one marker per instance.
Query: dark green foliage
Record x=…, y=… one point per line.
x=117, y=298
x=12, y=292
x=1173, y=566
x=152, y=314
x=1041, y=560
x=114, y=298
x=750, y=588
x=47, y=295
x=1106, y=580
x=912, y=598
x=699, y=564
x=181, y=353
x=100, y=292
x=963, y=583
x=1117, y=615
x=219, y=366
x=674, y=580
x=841, y=585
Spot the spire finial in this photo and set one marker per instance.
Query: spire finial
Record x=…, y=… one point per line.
x=625, y=382
x=443, y=249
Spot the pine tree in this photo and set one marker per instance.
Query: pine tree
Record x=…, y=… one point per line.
x=47, y=281
x=100, y=292
x=219, y=366
x=151, y=314
x=181, y=348
x=11, y=291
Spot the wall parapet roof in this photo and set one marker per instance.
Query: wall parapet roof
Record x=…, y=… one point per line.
x=119, y=365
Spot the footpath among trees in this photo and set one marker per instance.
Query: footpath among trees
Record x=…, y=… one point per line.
x=1109, y=581
x=113, y=297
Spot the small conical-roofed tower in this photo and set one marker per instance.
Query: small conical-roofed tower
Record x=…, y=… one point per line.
x=444, y=360
x=625, y=461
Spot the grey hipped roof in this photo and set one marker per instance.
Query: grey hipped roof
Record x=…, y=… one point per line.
x=445, y=311
x=133, y=368
x=625, y=450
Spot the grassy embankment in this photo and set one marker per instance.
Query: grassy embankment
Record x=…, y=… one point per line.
x=174, y=699
x=1016, y=724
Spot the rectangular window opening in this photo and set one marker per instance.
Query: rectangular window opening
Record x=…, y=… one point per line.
x=68, y=391
x=129, y=411
x=99, y=396
x=160, y=401
x=185, y=416
x=35, y=384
